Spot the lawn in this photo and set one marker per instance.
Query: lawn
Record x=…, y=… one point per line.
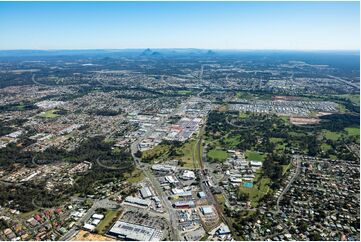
x=258, y=190
x=353, y=131
x=217, y=154
x=325, y=147
x=28, y=214
x=49, y=114
x=332, y=135
x=255, y=156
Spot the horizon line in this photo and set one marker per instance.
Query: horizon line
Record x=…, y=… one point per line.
x=177, y=48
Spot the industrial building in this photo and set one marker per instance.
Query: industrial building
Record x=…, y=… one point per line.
x=145, y=192
x=137, y=201
x=207, y=210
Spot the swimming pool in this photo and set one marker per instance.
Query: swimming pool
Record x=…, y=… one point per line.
x=248, y=184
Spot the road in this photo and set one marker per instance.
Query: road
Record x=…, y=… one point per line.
x=297, y=172
x=203, y=179
x=103, y=203
x=345, y=82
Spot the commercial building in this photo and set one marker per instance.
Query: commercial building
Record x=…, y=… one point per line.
x=130, y=231
x=188, y=175
x=184, y=204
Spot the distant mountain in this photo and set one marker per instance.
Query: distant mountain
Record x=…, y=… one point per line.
x=211, y=53
x=147, y=52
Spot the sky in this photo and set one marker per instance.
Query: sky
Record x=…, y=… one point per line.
x=206, y=25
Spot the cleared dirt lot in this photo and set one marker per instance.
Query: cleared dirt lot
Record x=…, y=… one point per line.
x=86, y=236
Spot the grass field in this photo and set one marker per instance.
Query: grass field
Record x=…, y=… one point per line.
x=28, y=214
x=220, y=199
x=136, y=176
x=254, y=155
x=258, y=190
x=353, y=131
x=325, y=147
x=188, y=151
x=217, y=154
x=276, y=140
x=157, y=152
x=107, y=220
x=49, y=114
x=232, y=141
x=331, y=135
x=341, y=108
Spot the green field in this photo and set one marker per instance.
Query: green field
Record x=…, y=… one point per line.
x=258, y=190
x=108, y=219
x=157, y=152
x=232, y=140
x=353, y=131
x=29, y=214
x=136, y=176
x=355, y=99
x=276, y=140
x=243, y=115
x=331, y=135
x=187, y=151
x=325, y=147
x=49, y=114
x=254, y=155
x=217, y=154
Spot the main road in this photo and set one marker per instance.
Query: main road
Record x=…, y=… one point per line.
x=203, y=179
x=297, y=159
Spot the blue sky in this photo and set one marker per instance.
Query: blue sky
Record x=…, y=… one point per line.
x=208, y=25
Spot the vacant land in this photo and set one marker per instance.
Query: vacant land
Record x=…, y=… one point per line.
x=86, y=236
x=136, y=176
x=107, y=221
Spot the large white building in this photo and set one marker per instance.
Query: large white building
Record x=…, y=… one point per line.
x=130, y=231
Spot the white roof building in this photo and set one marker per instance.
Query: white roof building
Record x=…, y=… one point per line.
x=188, y=175
x=130, y=231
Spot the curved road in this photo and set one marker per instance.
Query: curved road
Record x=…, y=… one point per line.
x=298, y=168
